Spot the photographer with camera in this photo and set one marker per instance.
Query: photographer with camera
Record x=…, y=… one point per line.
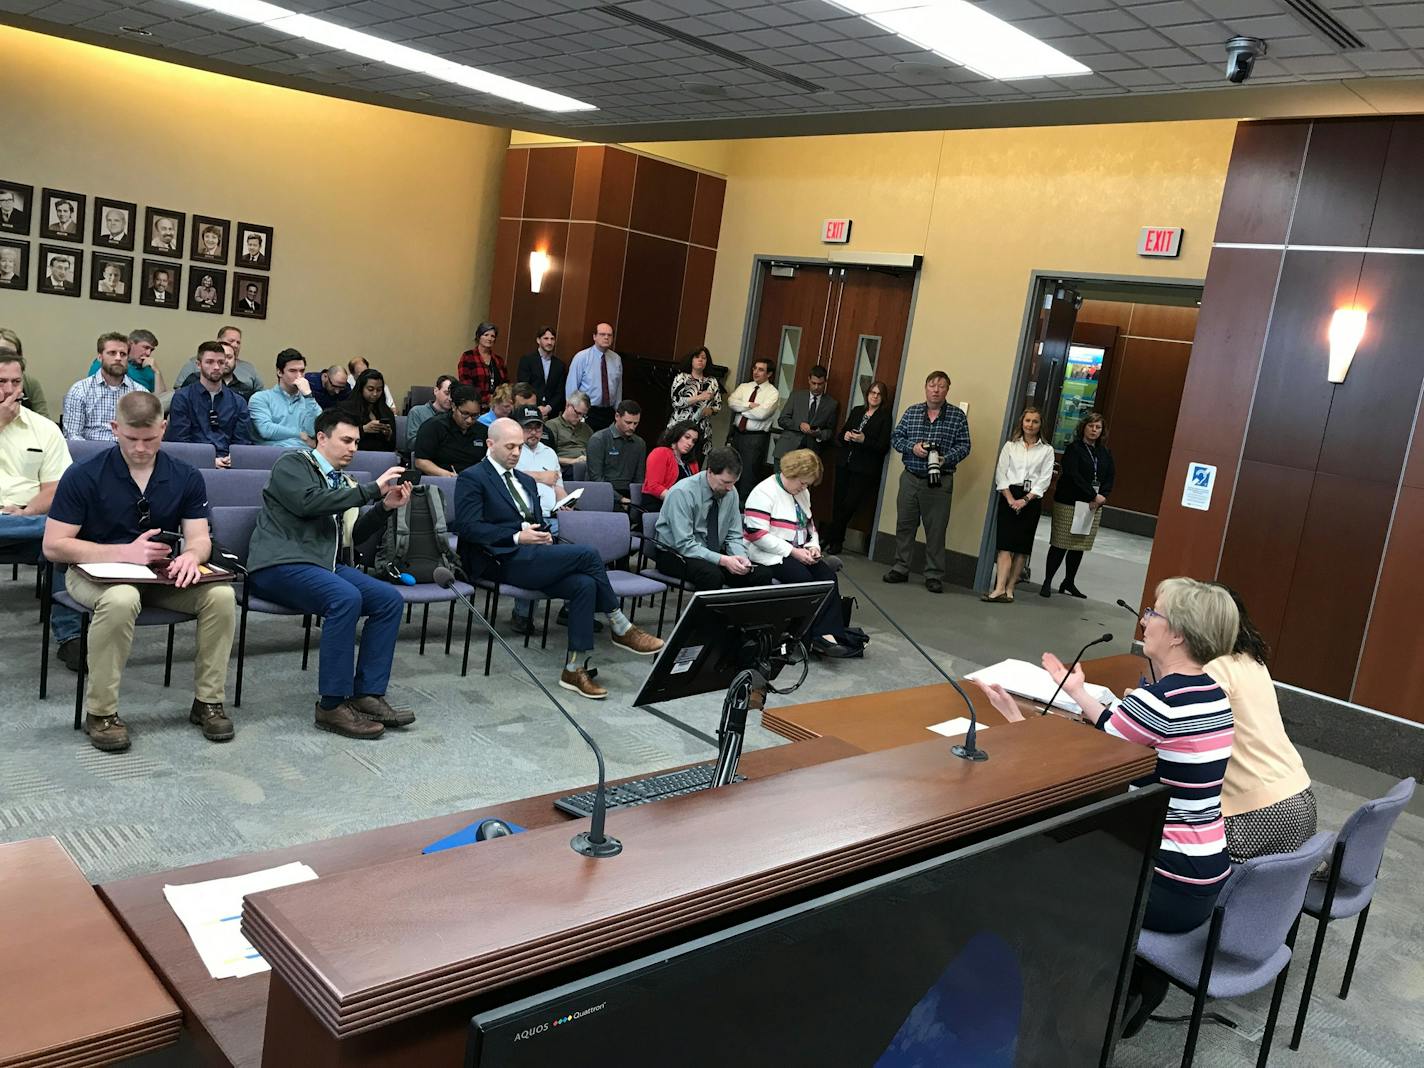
x=933, y=439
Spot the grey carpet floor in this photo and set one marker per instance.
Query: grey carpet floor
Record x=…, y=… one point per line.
x=175, y=799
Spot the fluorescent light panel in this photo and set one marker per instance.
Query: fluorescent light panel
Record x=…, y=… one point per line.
x=365, y=45
x=967, y=35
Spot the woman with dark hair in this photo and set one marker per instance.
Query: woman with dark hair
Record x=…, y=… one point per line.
x=865, y=439
x=369, y=411
x=1266, y=798
x=1087, y=476
x=674, y=459
x=696, y=395
x=481, y=366
x=1025, y=469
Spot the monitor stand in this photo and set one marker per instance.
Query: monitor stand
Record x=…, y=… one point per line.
x=748, y=689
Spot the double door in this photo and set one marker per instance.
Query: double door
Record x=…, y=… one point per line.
x=850, y=320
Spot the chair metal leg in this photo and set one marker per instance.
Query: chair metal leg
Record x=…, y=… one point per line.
x=465, y=661
x=424, y=623
x=241, y=654
x=662, y=612
x=544, y=641
x=407, y=612
x=1213, y=937
x=449, y=628
x=14, y=572
x=1322, y=925
x=46, y=607
x=1354, y=952
x=1276, y=995
x=168, y=657
x=83, y=671
x=306, y=640
x=491, y=616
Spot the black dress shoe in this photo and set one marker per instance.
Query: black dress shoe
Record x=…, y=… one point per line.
x=524, y=625
x=1072, y=591
x=934, y=585
x=1045, y=590
x=68, y=653
x=895, y=576
x=563, y=620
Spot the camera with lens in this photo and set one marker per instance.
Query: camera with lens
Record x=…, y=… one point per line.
x=934, y=462
x=1241, y=56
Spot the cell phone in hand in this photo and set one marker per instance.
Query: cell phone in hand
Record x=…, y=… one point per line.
x=410, y=475
x=168, y=538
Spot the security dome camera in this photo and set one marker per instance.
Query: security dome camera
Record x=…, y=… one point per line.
x=1241, y=56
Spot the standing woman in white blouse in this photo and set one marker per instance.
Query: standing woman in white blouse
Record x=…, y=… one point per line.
x=1024, y=471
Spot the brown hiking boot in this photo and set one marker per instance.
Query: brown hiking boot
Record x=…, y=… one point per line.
x=636, y=640
x=217, y=727
x=581, y=684
x=346, y=721
x=107, y=733
x=376, y=707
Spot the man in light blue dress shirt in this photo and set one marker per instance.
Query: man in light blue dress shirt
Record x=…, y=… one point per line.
x=594, y=368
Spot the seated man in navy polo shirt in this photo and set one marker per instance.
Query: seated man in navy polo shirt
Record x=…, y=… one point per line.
x=206, y=411
x=108, y=509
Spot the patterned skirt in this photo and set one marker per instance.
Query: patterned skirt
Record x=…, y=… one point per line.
x=1063, y=536
x=1280, y=828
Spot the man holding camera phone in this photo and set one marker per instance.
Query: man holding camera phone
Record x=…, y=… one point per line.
x=132, y=504
x=933, y=439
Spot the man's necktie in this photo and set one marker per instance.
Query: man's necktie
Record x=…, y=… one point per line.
x=710, y=539
x=811, y=415
x=518, y=497
x=603, y=371
x=742, y=422
x=334, y=477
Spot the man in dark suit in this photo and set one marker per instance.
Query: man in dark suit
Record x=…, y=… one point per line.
x=248, y=302
x=252, y=253
x=65, y=223
x=503, y=535
x=158, y=291
x=808, y=419
x=12, y=218
x=545, y=372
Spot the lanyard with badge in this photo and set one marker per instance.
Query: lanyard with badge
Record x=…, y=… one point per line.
x=1093, y=455
x=802, y=521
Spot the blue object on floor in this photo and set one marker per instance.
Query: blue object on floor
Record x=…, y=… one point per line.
x=466, y=836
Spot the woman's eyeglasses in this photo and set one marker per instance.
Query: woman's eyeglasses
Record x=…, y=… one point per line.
x=1148, y=613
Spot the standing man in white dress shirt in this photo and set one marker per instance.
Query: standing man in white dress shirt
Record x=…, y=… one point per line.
x=598, y=372
x=753, y=406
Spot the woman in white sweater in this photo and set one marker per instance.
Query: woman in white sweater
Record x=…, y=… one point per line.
x=781, y=535
x=1022, y=477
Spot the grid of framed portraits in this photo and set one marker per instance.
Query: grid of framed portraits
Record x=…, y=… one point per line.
x=63, y=221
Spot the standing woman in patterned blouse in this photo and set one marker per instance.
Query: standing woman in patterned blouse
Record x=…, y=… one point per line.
x=696, y=395
x=481, y=366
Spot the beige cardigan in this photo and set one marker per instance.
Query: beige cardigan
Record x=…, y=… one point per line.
x=1264, y=767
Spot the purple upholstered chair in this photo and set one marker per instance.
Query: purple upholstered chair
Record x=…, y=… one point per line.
x=1246, y=943
x=597, y=496
x=200, y=454
x=254, y=457
x=647, y=567
x=236, y=488
x=1350, y=888
x=607, y=533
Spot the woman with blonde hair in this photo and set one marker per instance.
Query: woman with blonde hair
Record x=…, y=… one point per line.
x=1022, y=477
x=781, y=535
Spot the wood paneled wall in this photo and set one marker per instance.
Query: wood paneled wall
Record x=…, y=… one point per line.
x=1318, y=510
x=1142, y=391
x=633, y=241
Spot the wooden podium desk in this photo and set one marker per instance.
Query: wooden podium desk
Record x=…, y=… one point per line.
x=226, y=1017
x=902, y=717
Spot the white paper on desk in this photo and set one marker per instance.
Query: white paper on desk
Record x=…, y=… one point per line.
x=954, y=728
x=114, y=572
x=1082, y=518
x=1023, y=679
x=212, y=912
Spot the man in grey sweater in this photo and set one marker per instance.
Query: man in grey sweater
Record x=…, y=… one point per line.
x=616, y=454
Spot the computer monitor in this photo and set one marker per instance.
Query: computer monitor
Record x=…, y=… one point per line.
x=1012, y=951
x=714, y=638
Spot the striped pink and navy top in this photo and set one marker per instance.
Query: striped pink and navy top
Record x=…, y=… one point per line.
x=1187, y=719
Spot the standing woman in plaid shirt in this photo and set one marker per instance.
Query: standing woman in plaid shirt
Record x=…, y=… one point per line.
x=481, y=366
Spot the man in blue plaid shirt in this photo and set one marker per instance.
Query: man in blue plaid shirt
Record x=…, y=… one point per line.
x=932, y=438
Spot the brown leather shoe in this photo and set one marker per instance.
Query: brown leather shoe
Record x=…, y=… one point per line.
x=346, y=721
x=636, y=640
x=581, y=684
x=376, y=707
x=217, y=727
x=107, y=733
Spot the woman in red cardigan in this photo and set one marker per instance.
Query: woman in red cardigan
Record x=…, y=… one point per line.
x=670, y=462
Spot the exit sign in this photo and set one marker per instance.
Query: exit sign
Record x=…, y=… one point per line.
x=1160, y=241
x=835, y=232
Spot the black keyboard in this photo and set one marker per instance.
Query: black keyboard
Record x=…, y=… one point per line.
x=643, y=791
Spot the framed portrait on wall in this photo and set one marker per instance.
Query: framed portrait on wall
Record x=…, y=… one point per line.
x=209, y=239
x=254, y=247
x=14, y=264
x=207, y=290
x=62, y=215
x=249, y=295
x=163, y=232
x=16, y=200
x=110, y=277
x=162, y=284
x=114, y=223
x=61, y=271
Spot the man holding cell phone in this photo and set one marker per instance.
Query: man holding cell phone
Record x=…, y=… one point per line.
x=130, y=504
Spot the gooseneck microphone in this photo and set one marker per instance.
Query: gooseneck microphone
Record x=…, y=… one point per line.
x=1138, y=616
x=1096, y=641
x=966, y=750
x=592, y=842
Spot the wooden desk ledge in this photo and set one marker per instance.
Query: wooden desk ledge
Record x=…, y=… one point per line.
x=462, y=922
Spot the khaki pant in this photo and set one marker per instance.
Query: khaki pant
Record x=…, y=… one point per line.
x=111, y=630
x=919, y=502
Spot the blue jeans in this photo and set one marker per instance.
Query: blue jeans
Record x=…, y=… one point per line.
x=341, y=598
x=17, y=531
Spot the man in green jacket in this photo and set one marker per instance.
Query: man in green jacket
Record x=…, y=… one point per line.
x=300, y=557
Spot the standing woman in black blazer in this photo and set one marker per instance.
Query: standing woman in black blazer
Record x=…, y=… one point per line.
x=1087, y=476
x=864, y=441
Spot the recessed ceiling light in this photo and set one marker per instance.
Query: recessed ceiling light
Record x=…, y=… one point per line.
x=388, y=52
x=967, y=35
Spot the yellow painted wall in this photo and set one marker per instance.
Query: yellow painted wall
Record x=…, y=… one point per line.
x=984, y=208
x=384, y=220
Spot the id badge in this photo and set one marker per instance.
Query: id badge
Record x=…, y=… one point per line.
x=1095, y=489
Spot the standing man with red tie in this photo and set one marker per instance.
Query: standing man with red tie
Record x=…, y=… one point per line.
x=598, y=372
x=753, y=405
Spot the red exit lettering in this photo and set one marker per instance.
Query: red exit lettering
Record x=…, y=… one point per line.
x=836, y=231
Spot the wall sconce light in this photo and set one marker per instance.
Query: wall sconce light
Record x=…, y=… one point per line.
x=539, y=264
x=1347, y=327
